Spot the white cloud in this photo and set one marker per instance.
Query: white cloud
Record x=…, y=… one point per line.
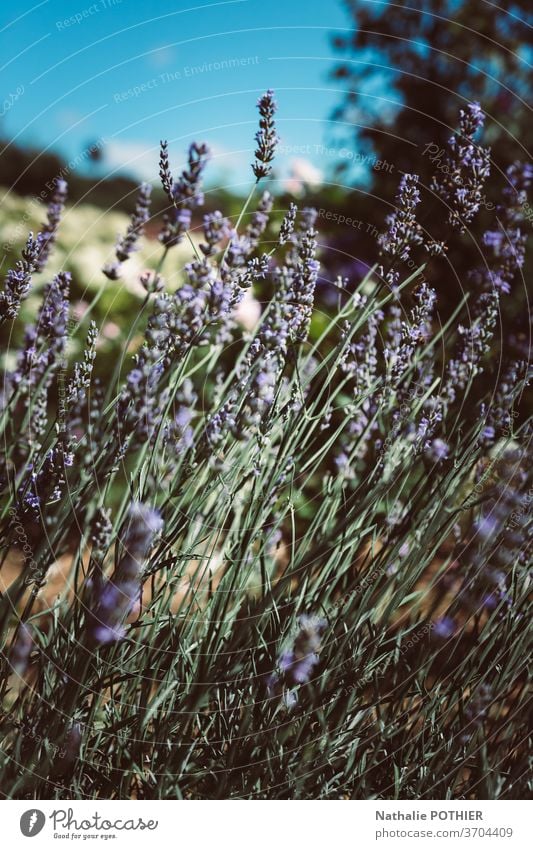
x=135, y=158
x=302, y=173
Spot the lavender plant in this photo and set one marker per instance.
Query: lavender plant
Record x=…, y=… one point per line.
x=293, y=562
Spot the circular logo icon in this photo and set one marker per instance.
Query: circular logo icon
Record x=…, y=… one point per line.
x=32, y=822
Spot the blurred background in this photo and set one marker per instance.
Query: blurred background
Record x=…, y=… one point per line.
x=364, y=87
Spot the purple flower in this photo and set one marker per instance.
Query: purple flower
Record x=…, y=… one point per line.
x=266, y=137
x=48, y=235
x=445, y=627
x=499, y=416
x=199, y=310
x=178, y=433
x=44, y=484
x=287, y=225
x=507, y=245
x=462, y=176
x=473, y=344
x=184, y=194
x=218, y=426
x=488, y=433
x=42, y=354
x=76, y=392
x=186, y=191
x=360, y=363
x=496, y=557
x=128, y=243
x=437, y=450
x=406, y=336
x=287, y=317
x=216, y=228
x=303, y=287
x=165, y=173
x=403, y=231
x=138, y=408
x=115, y=599
x=296, y=664
x=18, y=280
x=261, y=390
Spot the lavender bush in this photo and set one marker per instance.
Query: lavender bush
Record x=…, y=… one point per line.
x=285, y=563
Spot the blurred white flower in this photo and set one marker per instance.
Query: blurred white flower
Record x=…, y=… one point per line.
x=302, y=173
x=111, y=330
x=248, y=311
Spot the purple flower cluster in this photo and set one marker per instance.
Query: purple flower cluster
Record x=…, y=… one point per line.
x=497, y=558
x=114, y=599
x=165, y=173
x=266, y=137
x=507, y=244
x=199, y=310
x=202, y=304
x=45, y=483
x=80, y=381
x=216, y=229
x=185, y=194
x=296, y=664
x=127, y=244
x=18, y=280
x=436, y=451
x=445, y=627
x=242, y=246
x=178, y=433
x=257, y=225
x=304, y=281
x=139, y=404
x=461, y=178
x=43, y=351
x=360, y=363
x=218, y=425
x=500, y=414
x=405, y=337
x=287, y=225
x=286, y=319
x=403, y=231
x=48, y=235
x=474, y=342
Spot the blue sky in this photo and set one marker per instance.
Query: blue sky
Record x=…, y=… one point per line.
x=132, y=73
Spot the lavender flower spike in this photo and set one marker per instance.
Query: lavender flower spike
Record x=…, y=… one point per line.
x=117, y=597
x=403, y=231
x=56, y=206
x=18, y=280
x=296, y=665
x=304, y=283
x=466, y=168
x=507, y=244
x=287, y=225
x=184, y=194
x=266, y=137
x=46, y=339
x=167, y=181
x=128, y=243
